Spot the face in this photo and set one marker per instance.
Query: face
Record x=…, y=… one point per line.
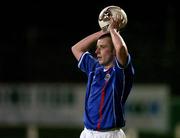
x=105, y=51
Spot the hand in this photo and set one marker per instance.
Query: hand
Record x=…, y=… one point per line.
x=115, y=22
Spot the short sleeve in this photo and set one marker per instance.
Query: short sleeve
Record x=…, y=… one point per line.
x=127, y=62
x=87, y=63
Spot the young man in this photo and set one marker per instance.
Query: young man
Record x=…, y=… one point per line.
x=110, y=77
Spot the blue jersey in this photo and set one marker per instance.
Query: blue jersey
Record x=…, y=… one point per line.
x=106, y=92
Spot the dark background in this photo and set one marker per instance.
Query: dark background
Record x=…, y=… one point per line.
x=36, y=39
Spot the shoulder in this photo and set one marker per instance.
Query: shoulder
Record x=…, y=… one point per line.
x=120, y=66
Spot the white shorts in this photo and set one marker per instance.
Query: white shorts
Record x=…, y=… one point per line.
x=86, y=133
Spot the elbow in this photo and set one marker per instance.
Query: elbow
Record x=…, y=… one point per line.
x=76, y=52
x=73, y=49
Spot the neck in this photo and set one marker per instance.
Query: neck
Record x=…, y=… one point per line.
x=106, y=67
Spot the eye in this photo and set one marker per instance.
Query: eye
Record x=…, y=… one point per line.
x=101, y=47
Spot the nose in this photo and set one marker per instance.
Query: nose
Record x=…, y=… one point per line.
x=97, y=50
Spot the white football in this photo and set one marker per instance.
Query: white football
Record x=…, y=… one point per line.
x=114, y=12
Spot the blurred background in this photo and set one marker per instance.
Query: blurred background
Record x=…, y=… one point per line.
x=41, y=88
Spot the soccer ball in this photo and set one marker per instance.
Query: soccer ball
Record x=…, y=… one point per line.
x=114, y=12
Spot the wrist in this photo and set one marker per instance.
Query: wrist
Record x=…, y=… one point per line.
x=113, y=30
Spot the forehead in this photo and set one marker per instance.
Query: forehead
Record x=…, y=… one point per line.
x=104, y=41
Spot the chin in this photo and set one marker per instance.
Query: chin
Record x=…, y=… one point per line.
x=101, y=63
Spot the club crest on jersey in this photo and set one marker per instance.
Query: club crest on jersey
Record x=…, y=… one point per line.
x=107, y=77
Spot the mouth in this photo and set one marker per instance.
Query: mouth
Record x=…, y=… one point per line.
x=99, y=57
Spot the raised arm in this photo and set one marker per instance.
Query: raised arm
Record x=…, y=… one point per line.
x=85, y=44
x=119, y=44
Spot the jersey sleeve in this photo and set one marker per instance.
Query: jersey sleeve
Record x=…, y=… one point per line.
x=128, y=72
x=126, y=65
x=87, y=62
